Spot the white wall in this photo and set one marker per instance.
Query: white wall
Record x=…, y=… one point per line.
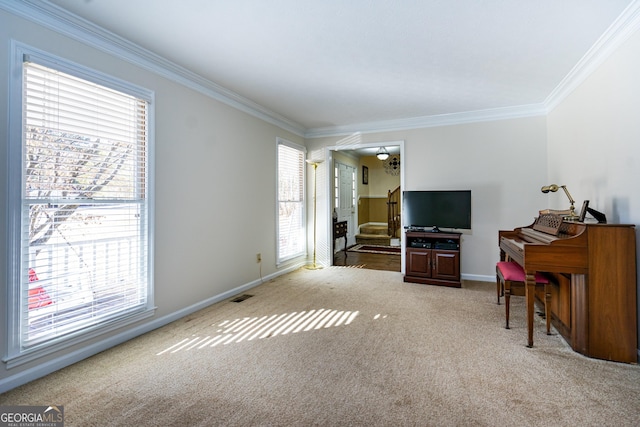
x=594, y=138
x=503, y=163
x=215, y=188
x=380, y=182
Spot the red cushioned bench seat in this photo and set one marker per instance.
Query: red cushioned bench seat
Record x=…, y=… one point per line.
x=510, y=276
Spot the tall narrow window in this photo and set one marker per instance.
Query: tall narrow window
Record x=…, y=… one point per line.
x=84, y=253
x=291, y=220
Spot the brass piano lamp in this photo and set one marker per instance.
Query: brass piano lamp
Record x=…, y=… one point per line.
x=572, y=210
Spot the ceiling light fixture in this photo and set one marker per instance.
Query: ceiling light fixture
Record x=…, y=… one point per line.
x=382, y=153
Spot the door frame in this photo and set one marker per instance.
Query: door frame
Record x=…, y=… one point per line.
x=350, y=145
x=353, y=216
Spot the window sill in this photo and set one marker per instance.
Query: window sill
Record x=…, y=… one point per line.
x=51, y=347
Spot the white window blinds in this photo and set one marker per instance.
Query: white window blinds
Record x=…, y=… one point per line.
x=84, y=258
x=291, y=221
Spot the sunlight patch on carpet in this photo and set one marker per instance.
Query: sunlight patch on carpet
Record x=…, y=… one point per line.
x=251, y=328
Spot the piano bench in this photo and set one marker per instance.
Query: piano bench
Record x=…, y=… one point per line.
x=510, y=280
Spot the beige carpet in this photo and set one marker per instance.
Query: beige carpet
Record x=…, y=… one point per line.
x=344, y=346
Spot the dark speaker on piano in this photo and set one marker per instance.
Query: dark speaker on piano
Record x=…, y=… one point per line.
x=602, y=218
x=598, y=216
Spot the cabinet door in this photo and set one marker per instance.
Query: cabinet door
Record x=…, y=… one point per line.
x=419, y=262
x=446, y=265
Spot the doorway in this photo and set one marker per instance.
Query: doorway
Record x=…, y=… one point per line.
x=361, y=201
x=345, y=192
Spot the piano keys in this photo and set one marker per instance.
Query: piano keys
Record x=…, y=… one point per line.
x=592, y=268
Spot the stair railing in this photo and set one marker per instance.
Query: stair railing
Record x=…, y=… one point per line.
x=393, y=212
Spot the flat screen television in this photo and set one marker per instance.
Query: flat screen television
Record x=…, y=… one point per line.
x=437, y=209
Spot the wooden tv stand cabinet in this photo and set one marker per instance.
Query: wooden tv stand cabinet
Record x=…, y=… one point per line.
x=433, y=258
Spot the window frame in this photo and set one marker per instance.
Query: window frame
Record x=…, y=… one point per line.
x=303, y=231
x=16, y=354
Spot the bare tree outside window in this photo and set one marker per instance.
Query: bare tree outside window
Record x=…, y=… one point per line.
x=68, y=169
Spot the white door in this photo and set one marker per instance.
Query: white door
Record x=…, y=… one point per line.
x=345, y=201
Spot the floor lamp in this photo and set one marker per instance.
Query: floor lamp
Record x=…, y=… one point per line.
x=315, y=164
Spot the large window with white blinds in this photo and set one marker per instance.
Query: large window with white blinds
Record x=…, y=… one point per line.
x=83, y=257
x=291, y=212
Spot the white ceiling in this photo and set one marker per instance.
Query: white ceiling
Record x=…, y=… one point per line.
x=330, y=64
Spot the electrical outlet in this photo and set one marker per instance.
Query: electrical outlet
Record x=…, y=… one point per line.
x=259, y=257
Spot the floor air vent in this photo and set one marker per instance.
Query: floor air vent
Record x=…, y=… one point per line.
x=241, y=298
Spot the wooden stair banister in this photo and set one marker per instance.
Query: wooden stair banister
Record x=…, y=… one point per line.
x=393, y=212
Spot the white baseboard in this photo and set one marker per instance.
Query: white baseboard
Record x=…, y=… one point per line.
x=478, y=277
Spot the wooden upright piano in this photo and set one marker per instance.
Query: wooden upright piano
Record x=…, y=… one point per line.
x=593, y=274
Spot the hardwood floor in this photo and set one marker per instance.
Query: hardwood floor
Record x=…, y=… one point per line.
x=368, y=260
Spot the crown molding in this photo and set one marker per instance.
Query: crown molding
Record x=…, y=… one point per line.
x=618, y=32
x=494, y=114
x=61, y=21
